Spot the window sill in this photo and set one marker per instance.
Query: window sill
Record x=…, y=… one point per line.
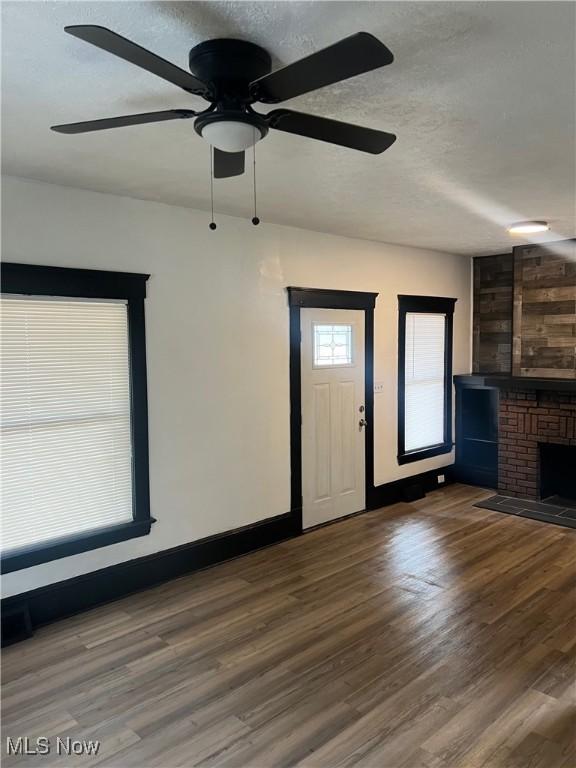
x=73, y=545
x=424, y=453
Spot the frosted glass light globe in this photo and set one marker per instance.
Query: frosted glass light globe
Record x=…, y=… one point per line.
x=231, y=135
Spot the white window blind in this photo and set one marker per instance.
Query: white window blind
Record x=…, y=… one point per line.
x=424, y=380
x=65, y=430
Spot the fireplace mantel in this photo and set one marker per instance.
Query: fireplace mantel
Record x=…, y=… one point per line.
x=520, y=383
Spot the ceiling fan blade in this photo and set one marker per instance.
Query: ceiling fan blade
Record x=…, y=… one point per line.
x=351, y=56
x=332, y=131
x=119, y=46
x=228, y=164
x=120, y=122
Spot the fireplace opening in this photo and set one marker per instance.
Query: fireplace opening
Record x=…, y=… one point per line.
x=558, y=473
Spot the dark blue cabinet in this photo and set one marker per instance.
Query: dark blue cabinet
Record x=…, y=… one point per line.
x=476, y=431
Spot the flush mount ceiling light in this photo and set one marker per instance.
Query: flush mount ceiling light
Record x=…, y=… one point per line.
x=528, y=227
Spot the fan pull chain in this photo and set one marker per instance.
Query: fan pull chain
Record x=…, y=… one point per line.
x=255, y=219
x=212, y=224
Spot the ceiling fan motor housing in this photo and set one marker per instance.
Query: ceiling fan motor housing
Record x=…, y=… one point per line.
x=228, y=66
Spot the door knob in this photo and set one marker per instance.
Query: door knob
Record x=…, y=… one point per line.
x=362, y=423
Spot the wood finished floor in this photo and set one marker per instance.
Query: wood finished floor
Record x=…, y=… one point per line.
x=424, y=635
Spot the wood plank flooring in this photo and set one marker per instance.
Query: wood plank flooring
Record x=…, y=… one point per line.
x=424, y=635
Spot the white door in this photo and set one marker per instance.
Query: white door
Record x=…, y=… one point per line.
x=333, y=416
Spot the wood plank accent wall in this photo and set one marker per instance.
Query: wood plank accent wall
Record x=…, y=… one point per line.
x=492, y=320
x=544, y=337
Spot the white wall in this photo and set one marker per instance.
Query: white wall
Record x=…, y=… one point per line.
x=217, y=346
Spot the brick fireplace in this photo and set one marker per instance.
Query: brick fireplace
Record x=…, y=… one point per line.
x=528, y=418
x=516, y=413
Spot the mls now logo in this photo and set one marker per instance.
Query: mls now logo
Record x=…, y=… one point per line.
x=23, y=745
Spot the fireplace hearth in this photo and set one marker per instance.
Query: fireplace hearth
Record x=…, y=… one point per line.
x=534, y=510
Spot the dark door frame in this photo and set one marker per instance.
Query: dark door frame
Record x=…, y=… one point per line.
x=322, y=298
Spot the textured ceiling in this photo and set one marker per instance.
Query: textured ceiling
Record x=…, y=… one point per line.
x=481, y=95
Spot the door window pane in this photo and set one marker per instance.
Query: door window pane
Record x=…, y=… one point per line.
x=332, y=345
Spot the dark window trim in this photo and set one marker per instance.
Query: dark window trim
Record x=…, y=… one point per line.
x=321, y=298
x=36, y=280
x=74, y=544
x=426, y=305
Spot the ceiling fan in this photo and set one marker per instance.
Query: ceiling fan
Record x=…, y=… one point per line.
x=232, y=75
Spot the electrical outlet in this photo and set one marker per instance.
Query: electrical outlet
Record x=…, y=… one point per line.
x=378, y=387
x=441, y=479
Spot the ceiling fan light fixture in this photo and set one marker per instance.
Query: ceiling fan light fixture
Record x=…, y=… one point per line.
x=231, y=135
x=528, y=227
x=231, y=130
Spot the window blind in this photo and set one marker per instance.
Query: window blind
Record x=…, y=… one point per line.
x=65, y=430
x=424, y=380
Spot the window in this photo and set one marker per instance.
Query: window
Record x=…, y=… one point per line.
x=73, y=432
x=424, y=377
x=424, y=380
x=332, y=345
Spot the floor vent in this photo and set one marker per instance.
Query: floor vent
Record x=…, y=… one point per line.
x=413, y=492
x=16, y=624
